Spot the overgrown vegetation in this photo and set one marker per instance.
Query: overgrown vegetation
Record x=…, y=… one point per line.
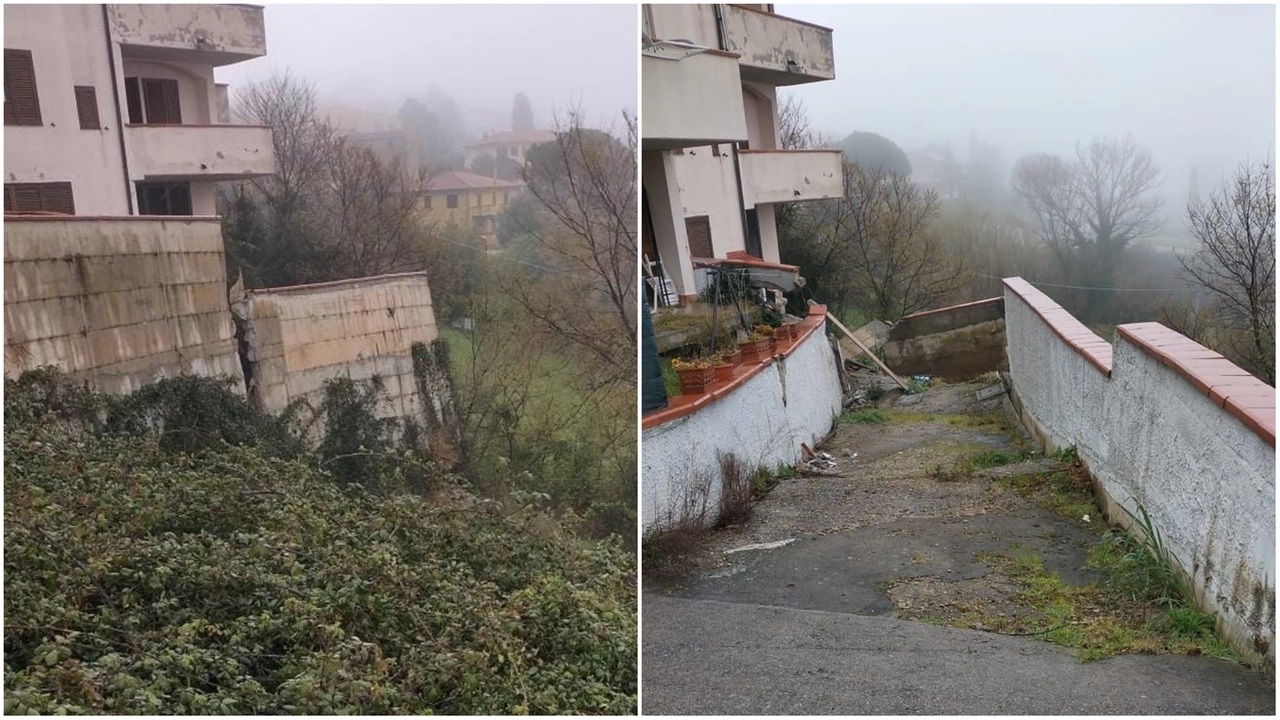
x=866, y=416
x=217, y=570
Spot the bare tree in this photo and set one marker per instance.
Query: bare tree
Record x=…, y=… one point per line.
x=878, y=248
x=330, y=211
x=585, y=181
x=1090, y=209
x=370, y=213
x=1236, y=262
x=794, y=131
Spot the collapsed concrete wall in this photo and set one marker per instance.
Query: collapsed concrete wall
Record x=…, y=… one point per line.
x=1162, y=421
x=955, y=343
x=761, y=418
x=119, y=302
x=297, y=338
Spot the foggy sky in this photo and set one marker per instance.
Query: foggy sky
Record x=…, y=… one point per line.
x=375, y=56
x=1195, y=84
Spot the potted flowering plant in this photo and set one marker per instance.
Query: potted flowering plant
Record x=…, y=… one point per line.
x=758, y=346
x=723, y=367
x=732, y=356
x=695, y=374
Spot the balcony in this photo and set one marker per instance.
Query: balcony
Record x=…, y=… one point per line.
x=777, y=50
x=771, y=176
x=199, y=152
x=204, y=34
x=692, y=97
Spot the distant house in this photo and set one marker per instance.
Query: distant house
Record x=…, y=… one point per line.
x=389, y=145
x=513, y=145
x=467, y=200
x=935, y=167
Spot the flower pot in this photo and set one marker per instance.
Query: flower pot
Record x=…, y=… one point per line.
x=734, y=358
x=724, y=373
x=795, y=330
x=782, y=335
x=694, y=381
x=755, y=351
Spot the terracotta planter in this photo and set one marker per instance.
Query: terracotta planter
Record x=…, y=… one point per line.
x=695, y=381
x=782, y=334
x=794, y=328
x=724, y=373
x=755, y=351
x=734, y=358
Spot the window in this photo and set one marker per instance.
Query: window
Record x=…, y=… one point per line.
x=39, y=197
x=164, y=198
x=699, y=232
x=426, y=202
x=21, y=101
x=87, y=107
x=152, y=101
x=753, y=234
x=451, y=201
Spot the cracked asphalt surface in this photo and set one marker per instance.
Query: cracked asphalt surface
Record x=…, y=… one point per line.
x=814, y=621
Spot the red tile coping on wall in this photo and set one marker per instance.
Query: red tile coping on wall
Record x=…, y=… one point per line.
x=1227, y=386
x=58, y=217
x=1073, y=332
x=949, y=308
x=682, y=405
x=334, y=283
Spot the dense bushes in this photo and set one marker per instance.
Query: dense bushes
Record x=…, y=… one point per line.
x=144, y=577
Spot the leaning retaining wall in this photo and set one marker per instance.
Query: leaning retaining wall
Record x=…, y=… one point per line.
x=956, y=343
x=1162, y=421
x=117, y=301
x=299, y=337
x=761, y=416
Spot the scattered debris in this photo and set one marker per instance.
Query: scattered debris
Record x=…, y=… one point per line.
x=990, y=391
x=761, y=546
x=808, y=452
x=822, y=464
x=908, y=400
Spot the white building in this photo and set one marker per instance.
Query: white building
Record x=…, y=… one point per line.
x=113, y=109
x=711, y=163
x=513, y=145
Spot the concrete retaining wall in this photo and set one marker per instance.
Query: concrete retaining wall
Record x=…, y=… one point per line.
x=1162, y=421
x=119, y=302
x=762, y=419
x=299, y=337
x=955, y=343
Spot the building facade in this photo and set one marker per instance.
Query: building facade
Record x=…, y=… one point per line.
x=113, y=109
x=513, y=145
x=466, y=200
x=712, y=166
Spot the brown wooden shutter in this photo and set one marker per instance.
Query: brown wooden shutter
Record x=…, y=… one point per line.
x=21, y=101
x=56, y=197
x=160, y=97
x=699, y=231
x=39, y=197
x=133, y=99
x=87, y=107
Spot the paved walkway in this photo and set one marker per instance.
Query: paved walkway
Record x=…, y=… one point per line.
x=810, y=607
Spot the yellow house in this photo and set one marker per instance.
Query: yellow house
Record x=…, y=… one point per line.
x=467, y=200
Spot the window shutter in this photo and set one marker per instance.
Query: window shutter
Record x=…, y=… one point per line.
x=21, y=101
x=160, y=97
x=56, y=197
x=87, y=107
x=39, y=197
x=133, y=98
x=699, y=231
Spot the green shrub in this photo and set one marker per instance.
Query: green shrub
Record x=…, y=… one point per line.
x=144, y=578
x=864, y=417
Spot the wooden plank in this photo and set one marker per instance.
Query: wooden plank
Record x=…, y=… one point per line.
x=864, y=348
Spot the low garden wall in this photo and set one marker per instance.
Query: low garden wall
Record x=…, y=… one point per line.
x=1162, y=421
x=761, y=417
